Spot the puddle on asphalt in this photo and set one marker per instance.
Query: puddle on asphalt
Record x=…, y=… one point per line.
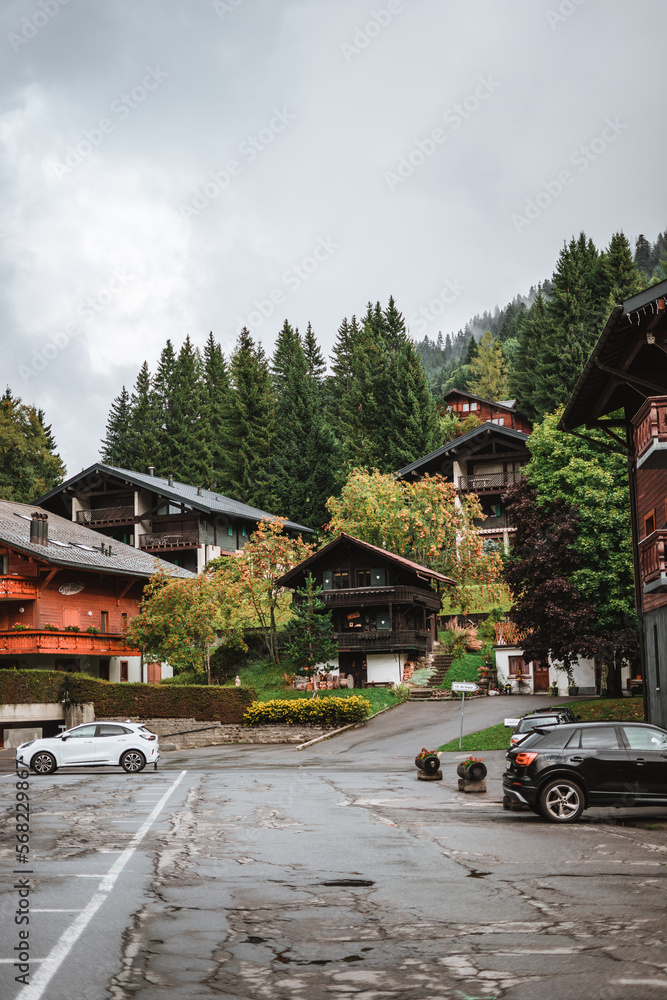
x=476, y=873
x=350, y=883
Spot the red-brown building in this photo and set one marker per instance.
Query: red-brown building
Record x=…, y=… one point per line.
x=503, y=413
x=623, y=391
x=67, y=594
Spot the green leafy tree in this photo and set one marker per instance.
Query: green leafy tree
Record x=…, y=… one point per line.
x=29, y=466
x=489, y=370
x=310, y=633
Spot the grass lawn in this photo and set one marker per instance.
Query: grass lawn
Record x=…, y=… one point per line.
x=498, y=737
x=268, y=681
x=481, y=602
x=464, y=668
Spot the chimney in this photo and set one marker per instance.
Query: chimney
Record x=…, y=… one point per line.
x=39, y=528
x=171, y=479
x=151, y=470
x=199, y=491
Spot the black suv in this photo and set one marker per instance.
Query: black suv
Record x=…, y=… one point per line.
x=561, y=770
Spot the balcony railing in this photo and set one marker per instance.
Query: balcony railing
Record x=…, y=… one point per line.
x=653, y=561
x=14, y=588
x=170, y=539
x=650, y=433
x=363, y=596
x=507, y=634
x=495, y=482
x=75, y=643
x=394, y=639
x=106, y=515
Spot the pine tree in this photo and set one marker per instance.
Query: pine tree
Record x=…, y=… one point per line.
x=187, y=459
x=214, y=400
x=310, y=634
x=623, y=278
x=117, y=444
x=164, y=388
x=317, y=366
x=248, y=429
x=471, y=352
x=643, y=255
x=143, y=438
x=521, y=379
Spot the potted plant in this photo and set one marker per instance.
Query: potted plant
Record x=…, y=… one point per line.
x=50, y=627
x=472, y=769
x=427, y=761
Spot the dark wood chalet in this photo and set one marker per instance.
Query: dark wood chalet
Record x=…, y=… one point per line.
x=67, y=595
x=384, y=606
x=484, y=461
x=623, y=391
x=185, y=525
x=503, y=413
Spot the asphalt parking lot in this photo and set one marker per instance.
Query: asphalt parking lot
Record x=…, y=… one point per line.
x=268, y=872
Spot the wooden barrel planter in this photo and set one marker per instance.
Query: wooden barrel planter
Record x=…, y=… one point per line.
x=473, y=772
x=429, y=767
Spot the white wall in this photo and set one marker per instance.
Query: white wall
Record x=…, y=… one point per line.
x=383, y=667
x=133, y=668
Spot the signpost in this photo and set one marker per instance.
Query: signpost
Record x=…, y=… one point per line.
x=464, y=686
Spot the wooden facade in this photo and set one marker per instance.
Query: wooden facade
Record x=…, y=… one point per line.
x=384, y=608
x=503, y=414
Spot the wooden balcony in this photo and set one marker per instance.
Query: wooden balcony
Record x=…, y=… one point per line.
x=61, y=642
x=391, y=639
x=496, y=482
x=163, y=541
x=361, y=597
x=653, y=560
x=507, y=634
x=15, y=588
x=106, y=515
x=650, y=433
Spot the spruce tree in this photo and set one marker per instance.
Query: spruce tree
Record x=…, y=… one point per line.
x=489, y=370
x=521, y=379
x=164, y=387
x=623, y=277
x=643, y=255
x=310, y=634
x=248, y=429
x=187, y=458
x=215, y=391
x=117, y=443
x=144, y=431
x=317, y=366
x=29, y=466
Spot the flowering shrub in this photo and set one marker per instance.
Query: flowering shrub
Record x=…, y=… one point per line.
x=471, y=760
x=50, y=627
x=18, y=627
x=71, y=628
x=425, y=753
x=309, y=712
x=93, y=630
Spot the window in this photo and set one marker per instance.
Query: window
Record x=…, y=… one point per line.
x=498, y=420
x=104, y=621
x=378, y=578
x=230, y=530
x=363, y=578
x=123, y=621
x=643, y=738
x=82, y=733
x=649, y=524
x=473, y=406
x=108, y=730
x=3, y=565
x=466, y=407
x=103, y=672
x=124, y=670
x=603, y=738
x=327, y=579
x=516, y=665
x=382, y=622
x=341, y=579
x=243, y=530
x=656, y=650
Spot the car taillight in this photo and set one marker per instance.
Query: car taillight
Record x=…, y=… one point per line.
x=524, y=759
x=148, y=736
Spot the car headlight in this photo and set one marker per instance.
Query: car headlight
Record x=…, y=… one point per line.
x=22, y=746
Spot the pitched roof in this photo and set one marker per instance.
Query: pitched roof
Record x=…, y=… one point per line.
x=452, y=448
x=505, y=404
x=422, y=571
x=72, y=545
x=624, y=355
x=198, y=498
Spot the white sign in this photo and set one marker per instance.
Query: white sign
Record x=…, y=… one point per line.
x=512, y=722
x=70, y=589
x=466, y=686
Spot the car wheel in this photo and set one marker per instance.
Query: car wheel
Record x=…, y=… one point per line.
x=133, y=761
x=43, y=763
x=561, y=801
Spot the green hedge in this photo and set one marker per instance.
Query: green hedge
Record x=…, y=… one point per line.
x=150, y=701
x=313, y=712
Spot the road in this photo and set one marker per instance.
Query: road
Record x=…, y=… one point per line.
x=265, y=872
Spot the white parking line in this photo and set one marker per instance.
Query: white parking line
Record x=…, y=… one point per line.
x=60, y=951
x=78, y=910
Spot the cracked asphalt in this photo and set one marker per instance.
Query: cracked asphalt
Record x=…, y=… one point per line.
x=252, y=872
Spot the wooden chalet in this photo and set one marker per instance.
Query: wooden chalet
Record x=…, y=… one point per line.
x=623, y=391
x=484, y=461
x=67, y=595
x=503, y=413
x=185, y=525
x=384, y=606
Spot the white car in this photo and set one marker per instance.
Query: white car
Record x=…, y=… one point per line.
x=128, y=744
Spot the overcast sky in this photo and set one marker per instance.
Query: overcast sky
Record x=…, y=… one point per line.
x=171, y=167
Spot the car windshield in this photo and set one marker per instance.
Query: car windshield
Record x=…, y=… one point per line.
x=536, y=720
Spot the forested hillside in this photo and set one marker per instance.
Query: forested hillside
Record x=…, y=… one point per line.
x=282, y=433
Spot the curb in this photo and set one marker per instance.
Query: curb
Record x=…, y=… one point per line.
x=352, y=725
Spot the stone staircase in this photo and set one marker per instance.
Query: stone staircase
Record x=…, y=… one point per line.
x=440, y=662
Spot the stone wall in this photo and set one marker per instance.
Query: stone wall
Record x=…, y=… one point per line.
x=215, y=734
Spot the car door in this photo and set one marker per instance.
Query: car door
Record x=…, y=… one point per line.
x=601, y=760
x=110, y=742
x=647, y=753
x=78, y=745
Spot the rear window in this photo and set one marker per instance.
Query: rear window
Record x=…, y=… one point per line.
x=555, y=738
